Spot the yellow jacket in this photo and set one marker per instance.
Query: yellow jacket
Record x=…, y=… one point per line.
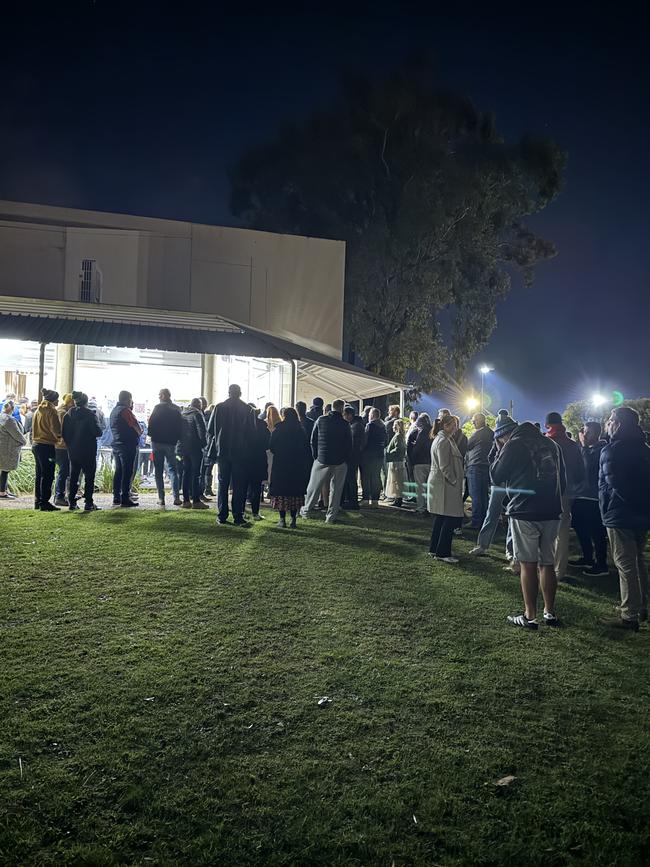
x=66, y=404
x=46, y=427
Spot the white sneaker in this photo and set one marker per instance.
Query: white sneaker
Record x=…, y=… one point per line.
x=478, y=551
x=452, y=560
x=258, y=517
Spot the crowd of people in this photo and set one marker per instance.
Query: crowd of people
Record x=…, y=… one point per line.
x=322, y=457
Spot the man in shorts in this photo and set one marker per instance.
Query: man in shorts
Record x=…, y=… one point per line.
x=530, y=468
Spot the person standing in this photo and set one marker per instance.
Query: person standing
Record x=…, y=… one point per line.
x=258, y=469
x=358, y=430
x=574, y=478
x=497, y=495
x=207, y=467
x=230, y=433
x=81, y=431
x=272, y=419
x=479, y=447
x=316, y=409
x=306, y=423
x=191, y=444
x=11, y=441
x=585, y=510
x=331, y=445
x=125, y=431
x=418, y=450
x=165, y=430
x=292, y=461
x=11, y=398
x=46, y=432
x=530, y=467
x=395, y=457
x=624, y=495
x=389, y=421
x=61, y=455
x=372, y=458
x=413, y=417
x=445, y=488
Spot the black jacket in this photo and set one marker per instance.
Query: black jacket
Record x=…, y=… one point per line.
x=331, y=439
x=530, y=467
x=165, y=424
x=461, y=442
x=572, y=462
x=624, y=481
x=124, y=435
x=231, y=431
x=258, y=466
x=375, y=439
x=80, y=432
x=358, y=431
x=193, y=433
x=292, y=460
x=314, y=412
x=479, y=447
x=590, y=455
x=418, y=446
x=307, y=425
x=388, y=424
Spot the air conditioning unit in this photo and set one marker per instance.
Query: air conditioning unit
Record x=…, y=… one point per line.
x=90, y=282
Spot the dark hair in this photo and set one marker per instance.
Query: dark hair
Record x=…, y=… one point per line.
x=627, y=416
x=439, y=423
x=196, y=403
x=80, y=398
x=594, y=426
x=50, y=395
x=301, y=408
x=553, y=418
x=290, y=415
x=124, y=397
x=234, y=391
x=318, y=401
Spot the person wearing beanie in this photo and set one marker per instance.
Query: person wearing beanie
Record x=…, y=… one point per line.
x=80, y=431
x=624, y=494
x=575, y=475
x=316, y=409
x=496, y=500
x=530, y=467
x=46, y=432
x=61, y=455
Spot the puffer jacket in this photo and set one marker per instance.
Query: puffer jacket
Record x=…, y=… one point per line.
x=46, y=427
x=624, y=481
x=331, y=440
x=530, y=468
x=193, y=431
x=80, y=432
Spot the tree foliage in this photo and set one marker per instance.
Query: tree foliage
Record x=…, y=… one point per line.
x=431, y=202
x=577, y=413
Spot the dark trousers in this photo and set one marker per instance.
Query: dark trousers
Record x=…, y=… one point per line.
x=478, y=482
x=586, y=520
x=63, y=463
x=232, y=473
x=351, y=486
x=255, y=495
x=124, y=460
x=45, y=460
x=3, y=480
x=86, y=464
x=192, y=476
x=371, y=476
x=206, y=475
x=442, y=534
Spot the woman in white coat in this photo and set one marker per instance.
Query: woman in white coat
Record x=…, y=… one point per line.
x=11, y=440
x=445, y=488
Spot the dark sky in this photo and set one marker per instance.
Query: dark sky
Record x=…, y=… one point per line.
x=104, y=108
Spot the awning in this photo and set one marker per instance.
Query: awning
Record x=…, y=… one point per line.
x=143, y=328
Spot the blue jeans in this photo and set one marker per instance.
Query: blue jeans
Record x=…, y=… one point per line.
x=478, y=482
x=63, y=463
x=491, y=522
x=165, y=452
x=124, y=458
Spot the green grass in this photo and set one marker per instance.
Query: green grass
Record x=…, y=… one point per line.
x=160, y=679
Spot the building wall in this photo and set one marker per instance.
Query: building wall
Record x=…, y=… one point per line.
x=286, y=285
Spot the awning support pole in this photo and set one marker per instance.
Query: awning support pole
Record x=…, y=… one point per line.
x=401, y=403
x=294, y=381
x=41, y=368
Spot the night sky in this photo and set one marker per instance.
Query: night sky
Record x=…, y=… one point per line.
x=105, y=109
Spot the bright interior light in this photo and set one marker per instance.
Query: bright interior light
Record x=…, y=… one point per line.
x=598, y=400
x=485, y=369
x=472, y=403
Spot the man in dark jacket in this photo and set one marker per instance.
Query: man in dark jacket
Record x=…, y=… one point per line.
x=478, y=468
x=126, y=432
x=624, y=494
x=258, y=466
x=372, y=458
x=316, y=409
x=574, y=479
x=80, y=431
x=230, y=433
x=331, y=445
x=306, y=422
x=192, y=441
x=165, y=429
x=585, y=512
x=358, y=431
x=531, y=469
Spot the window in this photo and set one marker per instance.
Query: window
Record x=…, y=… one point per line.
x=90, y=282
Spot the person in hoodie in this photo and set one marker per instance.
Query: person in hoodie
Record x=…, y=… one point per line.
x=165, y=430
x=585, y=512
x=126, y=432
x=372, y=458
x=81, y=431
x=46, y=432
x=624, y=495
x=192, y=441
x=316, y=409
x=61, y=455
x=418, y=450
x=350, y=499
x=530, y=467
x=574, y=479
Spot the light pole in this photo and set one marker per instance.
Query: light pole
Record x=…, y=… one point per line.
x=484, y=369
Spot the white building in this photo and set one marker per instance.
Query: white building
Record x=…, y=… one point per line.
x=102, y=302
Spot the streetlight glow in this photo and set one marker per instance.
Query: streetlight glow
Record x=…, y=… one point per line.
x=598, y=400
x=485, y=369
x=471, y=403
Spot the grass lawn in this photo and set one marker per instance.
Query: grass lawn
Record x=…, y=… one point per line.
x=160, y=679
